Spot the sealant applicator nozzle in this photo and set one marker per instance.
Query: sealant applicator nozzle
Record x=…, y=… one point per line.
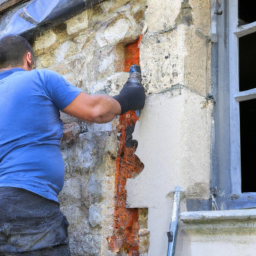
x=132, y=96
x=135, y=76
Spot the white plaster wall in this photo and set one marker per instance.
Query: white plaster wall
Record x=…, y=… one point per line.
x=174, y=145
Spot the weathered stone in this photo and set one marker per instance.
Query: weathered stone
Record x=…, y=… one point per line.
x=185, y=15
x=67, y=119
x=72, y=188
x=46, y=39
x=162, y=60
x=110, y=6
x=201, y=11
x=70, y=132
x=89, y=51
x=161, y=14
x=65, y=50
x=95, y=189
x=197, y=61
x=77, y=23
x=95, y=215
x=111, y=85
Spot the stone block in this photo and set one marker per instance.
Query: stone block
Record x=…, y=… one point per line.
x=65, y=50
x=114, y=33
x=95, y=189
x=72, y=189
x=70, y=133
x=197, y=62
x=95, y=215
x=161, y=14
x=110, y=6
x=201, y=11
x=44, y=41
x=111, y=85
x=162, y=60
x=78, y=23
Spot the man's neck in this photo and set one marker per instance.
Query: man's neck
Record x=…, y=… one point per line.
x=8, y=68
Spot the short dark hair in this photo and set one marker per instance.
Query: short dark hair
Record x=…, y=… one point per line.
x=12, y=51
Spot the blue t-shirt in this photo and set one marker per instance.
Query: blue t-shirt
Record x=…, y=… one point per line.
x=31, y=130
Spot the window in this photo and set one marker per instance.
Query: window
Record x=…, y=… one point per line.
x=234, y=167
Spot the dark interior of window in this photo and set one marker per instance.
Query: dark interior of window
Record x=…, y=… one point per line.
x=247, y=61
x=248, y=145
x=247, y=77
x=247, y=11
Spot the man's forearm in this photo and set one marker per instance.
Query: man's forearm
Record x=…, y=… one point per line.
x=94, y=108
x=106, y=109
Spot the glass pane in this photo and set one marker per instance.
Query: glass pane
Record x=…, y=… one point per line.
x=248, y=145
x=247, y=62
x=247, y=11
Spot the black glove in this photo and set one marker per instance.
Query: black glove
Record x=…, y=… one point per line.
x=132, y=96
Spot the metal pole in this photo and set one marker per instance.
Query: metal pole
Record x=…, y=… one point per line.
x=172, y=234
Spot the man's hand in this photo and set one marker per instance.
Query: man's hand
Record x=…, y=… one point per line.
x=132, y=96
x=94, y=108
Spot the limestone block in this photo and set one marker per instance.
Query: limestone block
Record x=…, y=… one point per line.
x=70, y=132
x=78, y=158
x=119, y=28
x=197, y=63
x=72, y=188
x=45, y=40
x=110, y=6
x=67, y=119
x=95, y=215
x=201, y=11
x=182, y=56
x=77, y=23
x=95, y=189
x=162, y=60
x=161, y=14
x=45, y=61
x=111, y=85
x=173, y=133
x=114, y=33
x=65, y=50
x=75, y=217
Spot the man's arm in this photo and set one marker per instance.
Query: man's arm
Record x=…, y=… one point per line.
x=94, y=108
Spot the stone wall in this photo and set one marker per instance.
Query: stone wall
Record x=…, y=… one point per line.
x=89, y=51
x=174, y=129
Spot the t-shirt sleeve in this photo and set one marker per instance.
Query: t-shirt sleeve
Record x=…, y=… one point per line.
x=60, y=91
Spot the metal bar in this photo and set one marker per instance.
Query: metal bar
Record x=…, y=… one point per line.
x=245, y=29
x=172, y=234
x=245, y=95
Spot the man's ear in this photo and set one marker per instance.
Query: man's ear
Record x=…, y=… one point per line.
x=29, y=60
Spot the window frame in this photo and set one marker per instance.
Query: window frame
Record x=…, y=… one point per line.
x=226, y=158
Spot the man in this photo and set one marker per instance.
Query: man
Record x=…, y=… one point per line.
x=31, y=165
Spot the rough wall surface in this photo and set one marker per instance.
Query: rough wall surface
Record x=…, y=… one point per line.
x=174, y=132
x=90, y=51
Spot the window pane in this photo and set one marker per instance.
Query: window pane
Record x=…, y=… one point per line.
x=248, y=145
x=247, y=13
x=247, y=62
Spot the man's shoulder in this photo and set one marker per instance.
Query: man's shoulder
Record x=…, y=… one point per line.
x=44, y=72
x=46, y=76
